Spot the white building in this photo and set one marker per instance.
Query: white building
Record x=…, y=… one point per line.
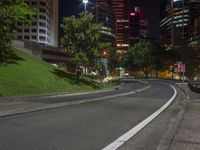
x=44, y=29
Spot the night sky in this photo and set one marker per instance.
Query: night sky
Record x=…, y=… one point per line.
x=149, y=7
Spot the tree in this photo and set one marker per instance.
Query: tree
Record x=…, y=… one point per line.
x=146, y=56
x=113, y=60
x=159, y=57
x=187, y=54
x=12, y=11
x=139, y=57
x=82, y=38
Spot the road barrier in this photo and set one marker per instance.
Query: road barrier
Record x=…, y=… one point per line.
x=194, y=86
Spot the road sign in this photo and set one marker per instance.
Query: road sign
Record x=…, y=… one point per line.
x=179, y=67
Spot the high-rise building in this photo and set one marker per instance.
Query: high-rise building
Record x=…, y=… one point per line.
x=138, y=23
x=194, y=22
x=134, y=23
x=174, y=21
x=104, y=2
x=144, y=31
x=105, y=15
x=121, y=9
x=131, y=26
x=44, y=28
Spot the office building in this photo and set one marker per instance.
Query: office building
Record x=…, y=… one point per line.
x=144, y=31
x=44, y=29
x=123, y=20
x=194, y=22
x=104, y=14
x=138, y=23
x=134, y=25
x=131, y=26
x=104, y=2
x=121, y=9
x=174, y=21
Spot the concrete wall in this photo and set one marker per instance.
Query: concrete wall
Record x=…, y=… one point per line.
x=47, y=53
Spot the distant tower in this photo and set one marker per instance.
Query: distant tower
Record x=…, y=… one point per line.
x=135, y=12
x=105, y=15
x=44, y=28
x=121, y=9
x=174, y=21
x=104, y=2
x=194, y=21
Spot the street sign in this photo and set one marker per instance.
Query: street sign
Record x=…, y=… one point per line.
x=179, y=67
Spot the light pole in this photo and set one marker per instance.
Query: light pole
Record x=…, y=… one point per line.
x=85, y=5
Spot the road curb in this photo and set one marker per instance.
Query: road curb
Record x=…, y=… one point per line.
x=168, y=139
x=66, y=104
x=131, y=133
x=42, y=96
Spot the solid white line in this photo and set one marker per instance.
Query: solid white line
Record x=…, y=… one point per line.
x=124, y=138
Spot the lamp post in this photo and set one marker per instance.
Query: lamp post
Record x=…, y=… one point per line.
x=85, y=5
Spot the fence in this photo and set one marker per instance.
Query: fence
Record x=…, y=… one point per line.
x=194, y=86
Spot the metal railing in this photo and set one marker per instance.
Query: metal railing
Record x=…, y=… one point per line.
x=194, y=86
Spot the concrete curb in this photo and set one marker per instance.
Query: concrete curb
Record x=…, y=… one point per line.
x=168, y=139
x=11, y=98
x=42, y=96
x=65, y=104
x=131, y=133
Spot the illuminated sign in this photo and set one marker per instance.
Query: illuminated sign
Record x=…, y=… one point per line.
x=132, y=14
x=177, y=0
x=137, y=9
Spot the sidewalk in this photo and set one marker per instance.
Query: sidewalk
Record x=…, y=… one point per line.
x=178, y=128
x=188, y=135
x=20, y=105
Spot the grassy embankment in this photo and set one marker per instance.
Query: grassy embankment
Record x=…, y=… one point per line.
x=28, y=75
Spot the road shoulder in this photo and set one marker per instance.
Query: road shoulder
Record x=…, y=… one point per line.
x=159, y=134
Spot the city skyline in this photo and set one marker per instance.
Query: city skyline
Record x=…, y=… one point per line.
x=151, y=10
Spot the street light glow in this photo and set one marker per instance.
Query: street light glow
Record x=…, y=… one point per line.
x=85, y=1
x=85, y=5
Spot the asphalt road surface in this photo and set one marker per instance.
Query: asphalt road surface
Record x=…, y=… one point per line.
x=89, y=126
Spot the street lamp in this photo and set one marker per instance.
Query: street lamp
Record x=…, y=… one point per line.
x=85, y=4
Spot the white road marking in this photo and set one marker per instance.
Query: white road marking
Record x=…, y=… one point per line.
x=125, y=137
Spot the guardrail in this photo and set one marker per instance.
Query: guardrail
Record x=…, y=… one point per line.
x=194, y=86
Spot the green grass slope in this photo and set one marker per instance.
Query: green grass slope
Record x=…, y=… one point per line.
x=28, y=75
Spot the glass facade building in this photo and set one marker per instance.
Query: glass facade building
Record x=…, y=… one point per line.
x=121, y=9
x=194, y=22
x=105, y=15
x=128, y=25
x=174, y=21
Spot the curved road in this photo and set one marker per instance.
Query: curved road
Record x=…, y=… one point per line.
x=89, y=126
